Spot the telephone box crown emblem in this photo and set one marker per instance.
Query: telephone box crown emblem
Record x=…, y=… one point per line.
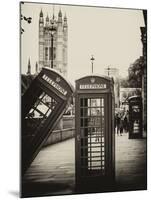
x=58, y=79
x=92, y=80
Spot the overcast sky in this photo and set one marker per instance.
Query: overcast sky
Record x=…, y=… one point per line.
x=111, y=35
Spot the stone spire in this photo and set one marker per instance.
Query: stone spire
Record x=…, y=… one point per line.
x=41, y=19
x=47, y=21
x=60, y=16
x=65, y=21
x=29, y=68
x=41, y=13
x=36, y=68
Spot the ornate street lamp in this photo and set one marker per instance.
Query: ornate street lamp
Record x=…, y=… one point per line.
x=92, y=59
x=108, y=70
x=52, y=31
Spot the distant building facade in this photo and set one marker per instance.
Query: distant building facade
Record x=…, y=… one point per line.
x=114, y=72
x=53, y=38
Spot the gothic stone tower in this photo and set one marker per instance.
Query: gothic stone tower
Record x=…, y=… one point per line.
x=53, y=36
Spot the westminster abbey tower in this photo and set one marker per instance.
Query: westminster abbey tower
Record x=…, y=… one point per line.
x=53, y=36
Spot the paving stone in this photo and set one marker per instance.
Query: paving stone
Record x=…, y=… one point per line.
x=55, y=166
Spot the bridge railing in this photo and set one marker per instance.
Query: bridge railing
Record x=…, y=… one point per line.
x=60, y=135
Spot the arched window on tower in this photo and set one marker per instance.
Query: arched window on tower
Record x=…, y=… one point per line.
x=46, y=53
x=63, y=52
x=50, y=53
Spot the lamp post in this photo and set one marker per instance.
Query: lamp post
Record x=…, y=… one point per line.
x=108, y=69
x=52, y=30
x=92, y=59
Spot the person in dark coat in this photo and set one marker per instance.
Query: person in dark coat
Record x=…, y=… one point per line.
x=121, y=124
x=117, y=123
x=125, y=123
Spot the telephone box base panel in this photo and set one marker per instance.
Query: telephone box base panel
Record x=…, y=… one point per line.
x=96, y=184
x=136, y=136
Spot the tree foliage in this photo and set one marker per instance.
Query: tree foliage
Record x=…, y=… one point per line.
x=27, y=19
x=135, y=73
x=134, y=79
x=124, y=83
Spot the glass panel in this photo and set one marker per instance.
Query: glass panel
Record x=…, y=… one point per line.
x=136, y=126
x=40, y=111
x=85, y=120
x=81, y=122
x=136, y=108
x=93, y=111
x=37, y=114
x=85, y=103
x=93, y=146
x=89, y=102
x=47, y=99
x=102, y=112
x=48, y=112
x=42, y=108
x=81, y=102
x=42, y=95
x=85, y=112
x=102, y=102
x=82, y=132
x=30, y=114
x=81, y=112
x=96, y=102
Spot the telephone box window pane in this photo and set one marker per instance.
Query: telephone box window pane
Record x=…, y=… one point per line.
x=47, y=99
x=95, y=102
x=85, y=112
x=81, y=122
x=102, y=112
x=102, y=102
x=81, y=112
x=42, y=108
x=89, y=102
x=48, y=112
x=81, y=102
x=136, y=108
x=42, y=95
x=37, y=114
x=136, y=127
x=40, y=111
x=85, y=102
x=89, y=112
x=92, y=113
x=82, y=133
x=85, y=122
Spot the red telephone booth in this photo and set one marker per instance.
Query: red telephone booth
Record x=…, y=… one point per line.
x=135, y=117
x=95, y=142
x=43, y=104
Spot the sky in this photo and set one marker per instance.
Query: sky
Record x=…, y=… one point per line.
x=111, y=35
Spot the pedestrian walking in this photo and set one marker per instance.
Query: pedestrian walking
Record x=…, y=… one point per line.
x=125, y=123
x=121, y=124
x=117, y=123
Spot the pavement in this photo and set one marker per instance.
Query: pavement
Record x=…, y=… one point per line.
x=53, y=170
x=131, y=163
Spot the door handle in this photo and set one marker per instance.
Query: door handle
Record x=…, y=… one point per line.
x=78, y=137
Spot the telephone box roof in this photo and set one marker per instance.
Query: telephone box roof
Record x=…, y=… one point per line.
x=65, y=79
x=98, y=76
